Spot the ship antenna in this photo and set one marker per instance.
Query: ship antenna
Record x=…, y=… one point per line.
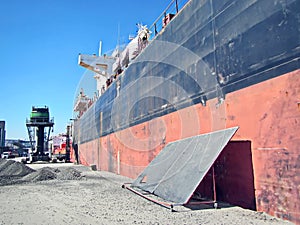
x=118, y=42
x=100, y=48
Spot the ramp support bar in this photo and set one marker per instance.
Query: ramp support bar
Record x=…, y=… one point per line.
x=164, y=204
x=172, y=205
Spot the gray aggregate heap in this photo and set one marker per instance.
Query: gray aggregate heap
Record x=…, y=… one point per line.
x=13, y=168
x=48, y=173
x=12, y=172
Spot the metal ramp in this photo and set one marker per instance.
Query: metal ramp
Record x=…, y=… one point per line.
x=180, y=167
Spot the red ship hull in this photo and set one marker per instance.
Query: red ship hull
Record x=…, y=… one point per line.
x=267, y=141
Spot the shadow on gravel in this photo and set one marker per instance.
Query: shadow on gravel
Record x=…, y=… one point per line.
x=202, y=206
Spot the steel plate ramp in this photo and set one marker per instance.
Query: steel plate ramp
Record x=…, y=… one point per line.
x=180, y=167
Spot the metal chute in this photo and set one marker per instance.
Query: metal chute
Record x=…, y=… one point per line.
x=180, y=167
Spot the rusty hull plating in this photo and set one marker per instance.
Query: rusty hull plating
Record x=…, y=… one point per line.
x=247, y=75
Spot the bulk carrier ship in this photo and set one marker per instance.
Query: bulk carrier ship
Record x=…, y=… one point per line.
x=212, y=65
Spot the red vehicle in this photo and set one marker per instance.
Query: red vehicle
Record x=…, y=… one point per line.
x=59, y=152
x=59, y=149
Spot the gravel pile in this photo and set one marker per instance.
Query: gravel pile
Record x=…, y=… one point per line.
x=99, y=199
x=69, y=173
x=48, y=173
x=12, y=172
x=13, y=168
x=42, y=174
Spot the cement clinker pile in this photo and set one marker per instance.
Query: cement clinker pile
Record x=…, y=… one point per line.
x=96, y=199
x=69, y=173
x=47, y=173
x=42, y=174
x=13, y=168
x=12, y=172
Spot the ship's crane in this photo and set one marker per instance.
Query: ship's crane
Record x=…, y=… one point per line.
x=37, y=124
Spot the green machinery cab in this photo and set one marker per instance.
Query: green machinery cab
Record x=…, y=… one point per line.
x=39, y=114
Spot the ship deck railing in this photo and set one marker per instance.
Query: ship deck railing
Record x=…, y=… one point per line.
x=172, y=9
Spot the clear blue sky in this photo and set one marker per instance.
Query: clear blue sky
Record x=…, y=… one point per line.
x=40, y=41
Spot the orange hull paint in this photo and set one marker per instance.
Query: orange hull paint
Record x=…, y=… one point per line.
x=268, y=115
